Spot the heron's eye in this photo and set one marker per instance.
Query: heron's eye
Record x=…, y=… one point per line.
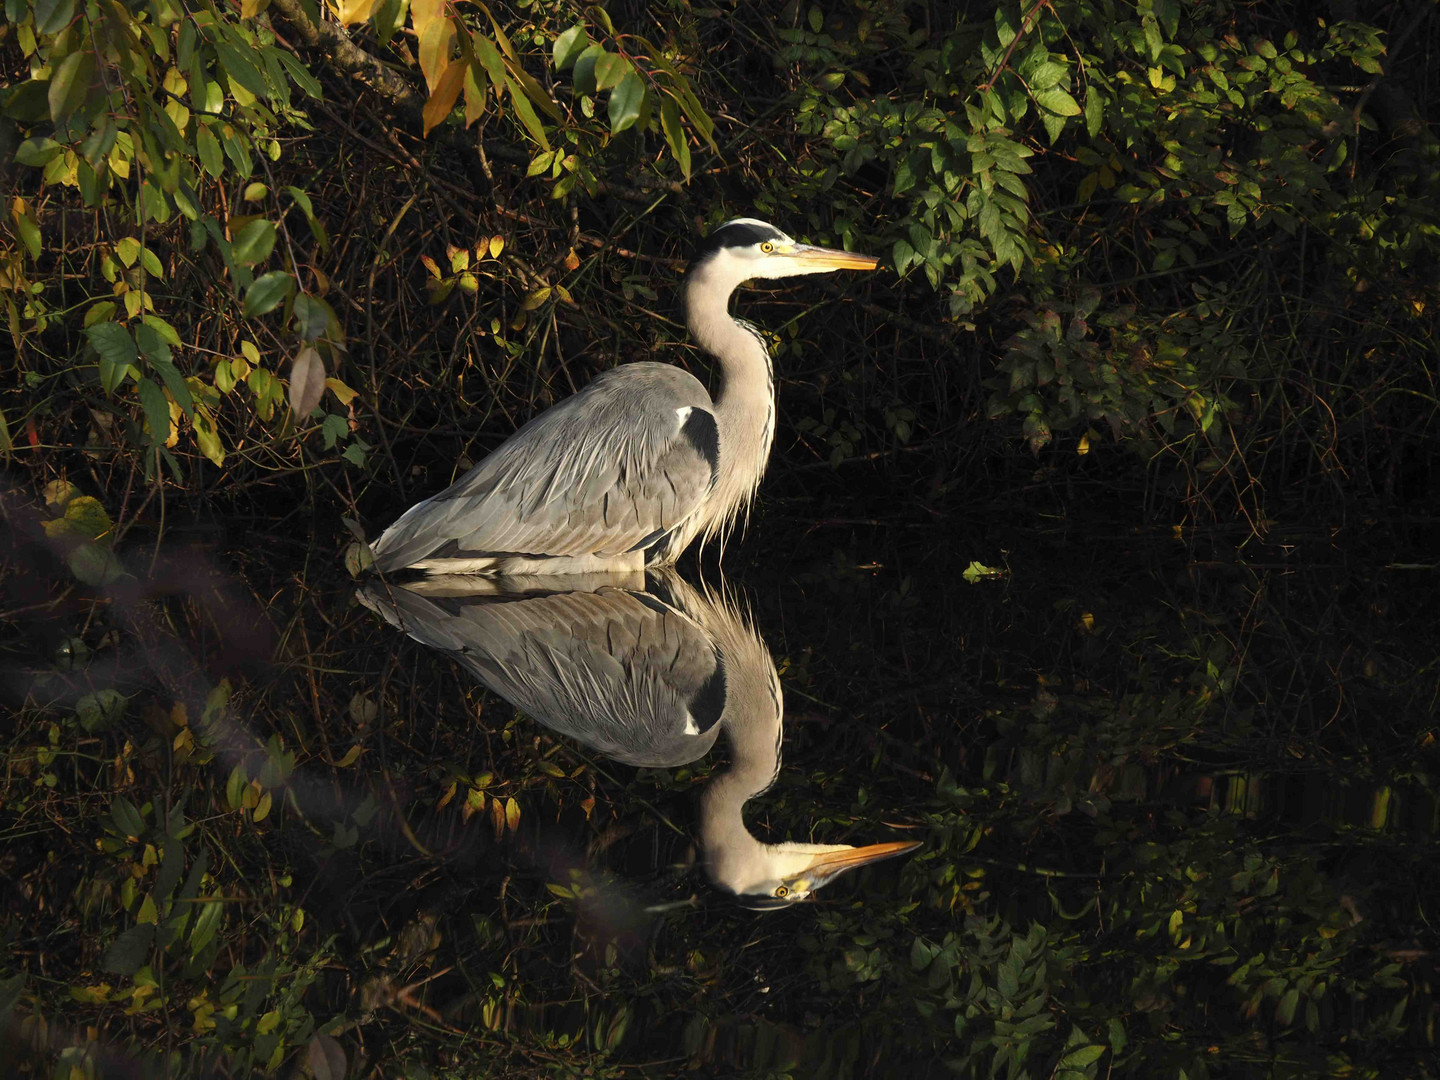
x=782, y=891
x=768, y=247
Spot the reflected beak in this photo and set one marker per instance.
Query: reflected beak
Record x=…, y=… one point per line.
x=826, y=867
x=818, y=258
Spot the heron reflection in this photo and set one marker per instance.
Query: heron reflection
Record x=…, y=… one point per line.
x=646, y=670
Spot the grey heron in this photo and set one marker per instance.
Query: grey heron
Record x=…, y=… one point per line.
x=648, y=673
x=630, y=470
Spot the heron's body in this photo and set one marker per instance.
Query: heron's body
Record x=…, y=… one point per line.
x=648, y=673
x=629, y=471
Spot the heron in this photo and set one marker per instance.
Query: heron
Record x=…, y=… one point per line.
x=645, y=669
x=629, y=471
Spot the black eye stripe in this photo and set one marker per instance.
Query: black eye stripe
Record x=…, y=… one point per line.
x=737, y=234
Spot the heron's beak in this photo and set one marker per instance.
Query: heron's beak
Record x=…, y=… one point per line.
x=825, y=868
x=818, y=258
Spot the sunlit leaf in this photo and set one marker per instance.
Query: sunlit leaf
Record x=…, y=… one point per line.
x=354, y=11
x=444, y=95
x=569, y=46
x=610, y=68
x=307, y=381
x=476, y=88
x=254, y=242
x=69, y=85
x=436, y=43
x=675, y=133
x=1056, y=101
x=266, y=292
x=51, y=16
x=625, y=102
x=527, y=115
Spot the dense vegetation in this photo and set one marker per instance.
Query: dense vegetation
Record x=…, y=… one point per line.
x=1154, y=355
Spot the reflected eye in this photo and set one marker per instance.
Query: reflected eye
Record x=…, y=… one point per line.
x=767, y=248
x=782, y=891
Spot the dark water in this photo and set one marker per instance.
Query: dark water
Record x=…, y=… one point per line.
x=1174, y=799
x=1172, y=794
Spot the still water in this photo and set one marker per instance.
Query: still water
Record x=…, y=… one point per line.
x=1030, y=795
x=1127, y=809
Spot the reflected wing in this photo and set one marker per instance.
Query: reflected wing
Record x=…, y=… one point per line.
x=607, y=471
x=619, y=670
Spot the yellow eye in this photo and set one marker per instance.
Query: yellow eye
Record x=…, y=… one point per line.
x=782, y=891
x=768, y=247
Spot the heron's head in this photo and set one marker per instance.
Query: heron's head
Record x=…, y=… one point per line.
x=770, y=876
x=746, y=248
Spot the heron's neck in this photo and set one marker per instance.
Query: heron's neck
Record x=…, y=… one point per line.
x=745, y=404
x=753, y=727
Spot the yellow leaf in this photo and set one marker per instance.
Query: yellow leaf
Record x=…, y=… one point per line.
x=497, y=245
x=340, y=390
x=424, y=12
x=351, y=756
x=148, y=914
x=445, y=95
x=512, y=814
x=436, y=41
x=445, y=799
x=262, y=808
x=351, y=11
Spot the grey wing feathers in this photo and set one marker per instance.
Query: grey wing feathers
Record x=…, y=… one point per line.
x=622, y=672
x=626, y=459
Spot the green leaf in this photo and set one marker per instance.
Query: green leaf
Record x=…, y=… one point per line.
x=1046, y=75
x=675, y=133
x=29, y=231
x=255, y=242
x=130, y=950
x=1056, y=101
x=610, y=68
x=157, y=411
x=157, y=352
x=1086, y=1055
x=114, y=345
x=266, y=292
x=527, y=113
x=490, y=59
x=208, y=148
x=625, y=102
x=1094, y=112
x=239, y=68
x=99, y=711
x=51, y=16
x=206, y=924
x=569, y=46
x=70, y=85
x=585, y=69
x=38, y=151
x=299, y=74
